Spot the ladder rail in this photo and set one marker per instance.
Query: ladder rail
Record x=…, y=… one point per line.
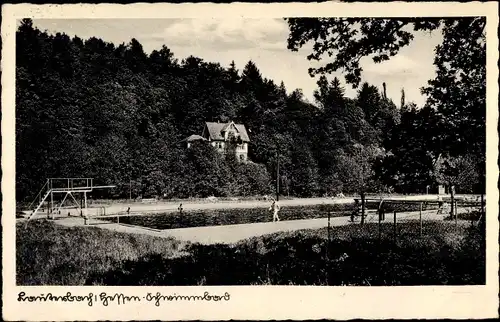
x=39, y=195
x=40, y=204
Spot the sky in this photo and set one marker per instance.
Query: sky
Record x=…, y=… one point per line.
x=263, y=41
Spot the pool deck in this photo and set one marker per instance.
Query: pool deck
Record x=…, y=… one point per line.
x=229, y=234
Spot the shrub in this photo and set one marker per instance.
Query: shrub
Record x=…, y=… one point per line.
x=354, y=257
x=49, y=254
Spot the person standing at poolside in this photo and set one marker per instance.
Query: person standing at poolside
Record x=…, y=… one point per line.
x=275, y=207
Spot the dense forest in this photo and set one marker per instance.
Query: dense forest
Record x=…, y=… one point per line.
x=89, y=108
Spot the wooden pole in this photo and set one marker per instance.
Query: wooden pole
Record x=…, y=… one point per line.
x=277, y=177
x=85, y=198
x=452, y=203
x=362, y=208
x=51, y=204
x=379, y=223
x=471, y=217
x=327, y=266
x=328, y=245
x=395, y=228
x=482, y=204
x=420, y=220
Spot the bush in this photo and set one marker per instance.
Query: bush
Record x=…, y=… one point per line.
x=49, y=254
x=353, y=257
x=252, y=179
x=468, y=216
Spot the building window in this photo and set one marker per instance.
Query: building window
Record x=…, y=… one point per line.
x=242, y=157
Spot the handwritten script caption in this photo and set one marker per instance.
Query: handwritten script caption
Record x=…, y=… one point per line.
x=106, y=299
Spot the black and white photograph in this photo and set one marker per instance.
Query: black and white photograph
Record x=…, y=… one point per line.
x=218, y=150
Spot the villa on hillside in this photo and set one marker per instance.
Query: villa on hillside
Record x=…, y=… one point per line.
x=220, y=136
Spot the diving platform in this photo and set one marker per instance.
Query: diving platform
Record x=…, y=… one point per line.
x=56, y=192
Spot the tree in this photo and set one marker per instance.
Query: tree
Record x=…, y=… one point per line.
x=458, y=91
x=403, y=103
x=356, y=170
x=457, y=172
x=350, y=39
x=253, y=179
x=304, y=175
x=412, y=147
x=370, y=101
x=207, y=171
x=85, y=107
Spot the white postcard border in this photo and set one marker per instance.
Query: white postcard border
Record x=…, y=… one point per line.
x=258, y=302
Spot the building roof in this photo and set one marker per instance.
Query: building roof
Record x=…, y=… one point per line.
x=215, y=130
x=195, y=137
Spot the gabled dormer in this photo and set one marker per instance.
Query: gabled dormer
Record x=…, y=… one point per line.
x=214, y=131
x=229, y=130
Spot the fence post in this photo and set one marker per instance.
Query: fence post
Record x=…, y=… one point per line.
x=328, y=233
x=51, y=205
x=395, y=228
x=379, y=222
x=327, y=266
x=482, y=204
x=362, y=208
x=420, y=220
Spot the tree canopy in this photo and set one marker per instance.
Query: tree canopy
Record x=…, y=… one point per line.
x=455, y=112
x=90, y=108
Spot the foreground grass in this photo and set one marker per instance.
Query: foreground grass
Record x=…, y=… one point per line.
x=49, y=254
x=446, y=254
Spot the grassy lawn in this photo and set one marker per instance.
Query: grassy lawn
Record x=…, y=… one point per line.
x=49, y=254
x=447, y=254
